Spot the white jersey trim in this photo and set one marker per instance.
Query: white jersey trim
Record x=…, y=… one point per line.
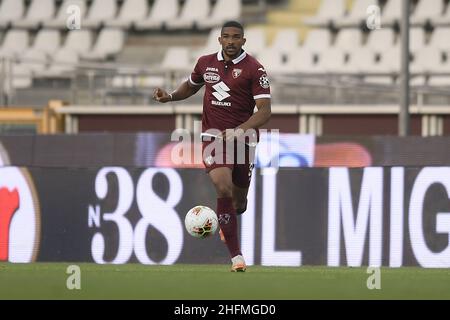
x=195, y=83
x=262, y=96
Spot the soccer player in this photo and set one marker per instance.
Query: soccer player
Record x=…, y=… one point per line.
x=234, y=83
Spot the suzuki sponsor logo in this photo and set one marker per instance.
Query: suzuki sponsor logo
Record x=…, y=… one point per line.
x=211, y=77
x=221, y=91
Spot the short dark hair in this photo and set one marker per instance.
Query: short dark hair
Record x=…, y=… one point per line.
x=232, y=24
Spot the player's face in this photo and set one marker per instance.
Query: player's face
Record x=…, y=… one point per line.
x=232, y=39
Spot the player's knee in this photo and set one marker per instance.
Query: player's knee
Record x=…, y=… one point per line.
x=223, y=190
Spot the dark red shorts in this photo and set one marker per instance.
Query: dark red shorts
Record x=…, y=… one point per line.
x=240, y=160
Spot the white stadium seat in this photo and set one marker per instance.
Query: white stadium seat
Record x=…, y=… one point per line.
x=212, y=44
x=380, y=40
x=329, y=11
x=317, y=40
x=391, y=13
x=38, y=12
x=305, y=61
x=417, y=39
x=100, y=12
x=22, y=77
x=79, y=41
x=33, y=60
x=440, y=39
x=15, y=42
x=426, y=59
x=47, y=41
x=64, y=61
x=357, y=15
x=60, y=22
x=224, y=10
x=256, y=40
x=348, y=39
x=443, y=20
x=276, y=62
x=285, y=40
x=363, y=60
x=192, y=12
x=177, y=58
x=389, y=62
x=427, y=11
x=11, y=10
x=333, y=60
x=131, y=11
x=109, y=43
x=161, y=12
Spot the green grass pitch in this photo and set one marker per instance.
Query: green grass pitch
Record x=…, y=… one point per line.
x=215, y=282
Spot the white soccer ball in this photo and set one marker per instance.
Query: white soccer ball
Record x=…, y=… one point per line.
x=201, y=222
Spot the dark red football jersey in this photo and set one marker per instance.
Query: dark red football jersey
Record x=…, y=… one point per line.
x=231, y=89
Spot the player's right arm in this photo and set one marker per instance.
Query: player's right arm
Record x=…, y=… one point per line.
x=184, y=91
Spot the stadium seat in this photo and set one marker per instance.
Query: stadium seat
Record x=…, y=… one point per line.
x=109, y=42
x=444, y=19
x=285, y=40
x=256, y=40
x=47, y=41
x=79, y=41
x=177, y=58
x=357, y=15
x=38, y=12
x=391, y=13
x=212, y=44
x=417, y=39
x=192, y=12
x=426, y=12
x=380, y=40
x=389, y=63
x=100, y=12
x=440, y=39
x=348, y=39
x=224, y=10
x=317, y=40
x=15, y=42
x=64, y=62
x=363, y=60
x=33, y=60
x=333, y=60
x=11, y=10
x=427, y=59
x=276, y=62
x=305, y=61
x=131, y=11
x=161, y=12
x=60, y=22
x=329, y=11
x=22, y=77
